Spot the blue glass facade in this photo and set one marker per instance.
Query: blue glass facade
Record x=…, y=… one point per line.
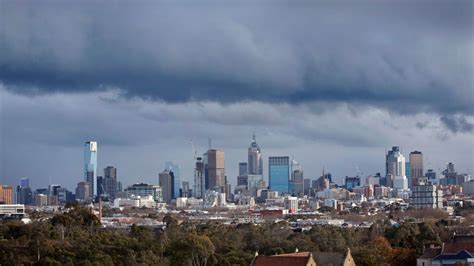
x=279, y=173
x=90, y=164
x=177, y=177
x=352, y=182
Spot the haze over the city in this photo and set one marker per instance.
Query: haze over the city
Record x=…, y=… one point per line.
x=331, y=84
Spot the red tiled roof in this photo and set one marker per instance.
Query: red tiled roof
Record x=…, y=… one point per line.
x=298, y=254
x=290, y=259
x=456, y=247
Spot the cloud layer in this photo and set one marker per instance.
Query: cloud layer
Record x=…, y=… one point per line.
x=403, y=56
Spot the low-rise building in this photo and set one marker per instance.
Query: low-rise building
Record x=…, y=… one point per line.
x=291, y=204
x=12, y=211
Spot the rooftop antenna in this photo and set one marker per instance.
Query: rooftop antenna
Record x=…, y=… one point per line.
x=210, y=143
x=253, y=136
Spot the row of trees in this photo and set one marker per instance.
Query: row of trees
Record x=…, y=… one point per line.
x=75, y=238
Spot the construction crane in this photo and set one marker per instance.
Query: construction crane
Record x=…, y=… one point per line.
x=194, y=150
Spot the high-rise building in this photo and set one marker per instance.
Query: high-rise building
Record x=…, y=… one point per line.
x=166, y=181
x=431, y=175
x=90, y=166
x=255, y=160
x=185, y=190
x=100, y=185
x=279, y=173
x=199, y=178
x=41, y=200
x=307, y=186
x=323, y=182
x=426, y=195
x=83, y=191
x=242, y=180
x=296, y=183
x=24, y=182
x=24, y=195
x=215, y=170
x=408, y=174
x=177, y=177
x=416, y=167
x=63, y=195
x=352, y=182
x=450, y=175
x=6, y=194
x=243, y=169
x=110, y=181
x=395, y=162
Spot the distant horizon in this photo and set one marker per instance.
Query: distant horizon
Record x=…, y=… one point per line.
x=336, y=178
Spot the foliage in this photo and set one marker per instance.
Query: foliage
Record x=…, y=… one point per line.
x=76, y=238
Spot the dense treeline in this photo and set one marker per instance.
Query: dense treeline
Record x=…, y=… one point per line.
x=75, y=238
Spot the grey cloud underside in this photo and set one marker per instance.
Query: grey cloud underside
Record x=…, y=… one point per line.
x=457, y=124
x=406, y=57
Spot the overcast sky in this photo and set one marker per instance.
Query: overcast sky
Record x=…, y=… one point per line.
x=331, y=83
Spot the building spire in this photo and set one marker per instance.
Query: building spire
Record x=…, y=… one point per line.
x=253, y=136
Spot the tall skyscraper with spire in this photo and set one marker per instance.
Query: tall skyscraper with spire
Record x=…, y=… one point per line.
x=255, y=160
x=90, y=165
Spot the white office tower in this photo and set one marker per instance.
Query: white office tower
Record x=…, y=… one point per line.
x=395, y=162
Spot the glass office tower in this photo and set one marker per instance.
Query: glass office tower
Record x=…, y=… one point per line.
x=177, y=177
x=279, y=173
x=90, y=165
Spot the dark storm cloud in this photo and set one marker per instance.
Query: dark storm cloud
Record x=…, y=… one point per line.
x=457, y=124
x=405, y=56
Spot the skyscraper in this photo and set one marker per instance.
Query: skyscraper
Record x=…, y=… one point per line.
x=396, y=166
x=24, y=182
x=279, y=173
x=408, y=174
x=83, y=191
x=255, y=160
x=166, y=180
x=431, y=175
x=199, y=183
x=395, y=162
x=6, y=194
x=177, y=177
x=296, y=184
x=110, y=181
x=24, y=195
x=243, y=169
x=352, y=182
x=215, y=170
x=90, y=166
x=416, y=167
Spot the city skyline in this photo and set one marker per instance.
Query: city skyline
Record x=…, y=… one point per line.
x=393, y=166
x=333, y=84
